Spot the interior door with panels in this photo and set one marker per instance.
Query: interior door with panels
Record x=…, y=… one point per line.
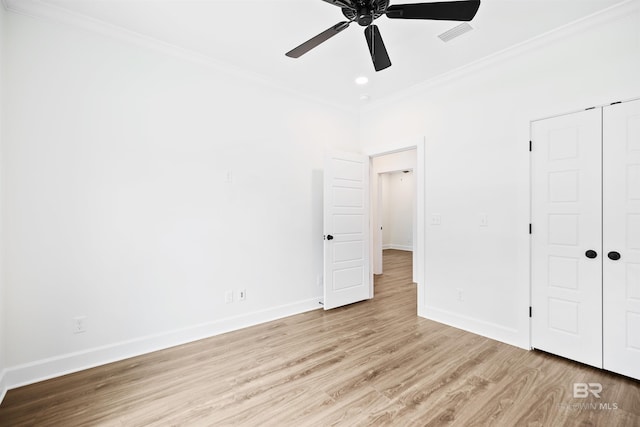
x=621, y=220
x=346, y=230
x=566, y=263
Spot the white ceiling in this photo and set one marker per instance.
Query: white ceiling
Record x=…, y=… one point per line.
x=255, y=34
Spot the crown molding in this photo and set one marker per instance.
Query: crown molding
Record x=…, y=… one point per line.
x=624, y=8
x=39, y=10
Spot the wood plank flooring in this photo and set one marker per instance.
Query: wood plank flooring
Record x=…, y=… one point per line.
x=371, y=363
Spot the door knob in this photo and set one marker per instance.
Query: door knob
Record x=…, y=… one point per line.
x=329, y=237
x=614, y=256
x=591, y=254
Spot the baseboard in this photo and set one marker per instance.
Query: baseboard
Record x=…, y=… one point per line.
x=398, y=247
x=41, y=370
x=479, y=327
x=3, y=385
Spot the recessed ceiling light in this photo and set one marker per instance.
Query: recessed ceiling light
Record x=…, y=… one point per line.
x=362, y=80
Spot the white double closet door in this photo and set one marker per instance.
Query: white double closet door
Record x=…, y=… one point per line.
x=585, y=241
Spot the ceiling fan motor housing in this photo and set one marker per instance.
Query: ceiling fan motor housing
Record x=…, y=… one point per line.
x=366, y=11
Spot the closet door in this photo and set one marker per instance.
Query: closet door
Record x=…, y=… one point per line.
x=566, y=258
x=621, y=220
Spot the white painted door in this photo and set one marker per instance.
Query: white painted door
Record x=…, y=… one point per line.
x=566, y=279
x=621, y=214
x=346, y=230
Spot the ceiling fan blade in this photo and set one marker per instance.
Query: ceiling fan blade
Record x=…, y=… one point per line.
x=342, y=3
x=378, y=51
x=317, y=40
x=444, y=11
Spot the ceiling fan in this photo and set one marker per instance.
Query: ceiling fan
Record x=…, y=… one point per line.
x=364, y=12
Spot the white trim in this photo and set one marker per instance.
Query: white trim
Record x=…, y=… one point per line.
x=608, y=104
x=390, y=152
x=479, y=327
x=3, y=385
x=529, y=251
x=41, y=370
x=397, y=247
x=3, y=382
x=49, y=12
x=421, y=238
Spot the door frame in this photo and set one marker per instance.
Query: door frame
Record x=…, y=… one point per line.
x=419, y=244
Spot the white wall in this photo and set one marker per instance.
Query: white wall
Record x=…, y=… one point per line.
x=476, y=124
x=117, y=205
x=3, y=346
x=398, y=191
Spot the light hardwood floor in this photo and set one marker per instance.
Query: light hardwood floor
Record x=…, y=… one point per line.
x=372, y=363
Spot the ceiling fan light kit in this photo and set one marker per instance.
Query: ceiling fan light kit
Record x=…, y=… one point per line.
x=365, y=12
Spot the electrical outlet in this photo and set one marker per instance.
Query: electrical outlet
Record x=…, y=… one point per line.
x=79, y=324
x=242, y=295
x=460, y=294
x=319, y=280
x=436, y=219
x=228, y=297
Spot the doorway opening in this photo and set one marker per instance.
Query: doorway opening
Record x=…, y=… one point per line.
x=352, y=238
x=397, y=203
x=396, y=212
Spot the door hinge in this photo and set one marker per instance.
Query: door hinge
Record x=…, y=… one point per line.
x=530, y=229
x=530, y=312
x=530, y=146
x=614, y=103
x=590, y=108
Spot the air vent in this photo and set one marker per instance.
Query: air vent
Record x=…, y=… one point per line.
x=455, y=32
